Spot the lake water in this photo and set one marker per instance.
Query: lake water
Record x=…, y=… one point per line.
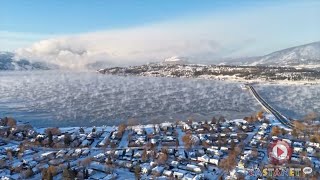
x=59, y=98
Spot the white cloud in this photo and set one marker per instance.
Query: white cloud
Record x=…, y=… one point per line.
x=253, y=31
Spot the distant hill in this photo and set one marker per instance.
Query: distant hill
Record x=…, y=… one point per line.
x=8, y=62
x=304, y=55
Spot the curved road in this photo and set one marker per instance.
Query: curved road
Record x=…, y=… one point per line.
x=281, y=118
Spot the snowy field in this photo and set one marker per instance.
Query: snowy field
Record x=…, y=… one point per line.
x=54, y=98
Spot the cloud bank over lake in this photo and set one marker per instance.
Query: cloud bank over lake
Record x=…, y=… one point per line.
x=206, y=37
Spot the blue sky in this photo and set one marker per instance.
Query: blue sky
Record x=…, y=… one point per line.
x=74, y=16
x=75, y=32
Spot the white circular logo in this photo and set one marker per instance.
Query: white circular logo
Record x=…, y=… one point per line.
x=307, y=170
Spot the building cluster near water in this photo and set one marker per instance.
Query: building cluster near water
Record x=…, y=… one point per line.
x=187, y=150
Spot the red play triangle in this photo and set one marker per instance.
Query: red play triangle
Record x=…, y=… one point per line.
x=279, y=151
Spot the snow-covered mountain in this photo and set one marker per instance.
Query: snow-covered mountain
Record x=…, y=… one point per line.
x=304, y=55
x=8, y=62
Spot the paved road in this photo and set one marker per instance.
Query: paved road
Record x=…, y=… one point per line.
x=282, y=119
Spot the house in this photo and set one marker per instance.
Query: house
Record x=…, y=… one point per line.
x=77, y=152
x=103, y=142
x=86, y=143
x=174, y=163
x=310, y=150
x=233, y=136
x=168, y=138
x=193, y=168
x=167, y=173
x=241, y=164
x=224, y=148
x=157, y=170
x=49, y=155
x=165, y=126
x=297, y=149
x=118, y=152
x=97, y=166
x=258, y=136
x=295, y=159
x=287, y=140
x=214, y=147
x=61, y=153
x=139, y=131
x=124, y=163
x=3, y=157
x=214, y=152
x=254, y=143
x=128, y=152
x=188, y=177
x=138, y=154
x=186, y=126
x=157, y=129
x=274, y=138
x=200, y=151
x=145, y=168
x=85, y=151
x=234, y=140
x=214, y=161
x=56, y=162
x=99, y=156
x=153, y=141
x=199, y=177
x=28, y=152
x=140, y=140
x=297, y=144
x=191, y=154
x=313, y=144
x=178, y=173
x=32, y=163
x=204, y=158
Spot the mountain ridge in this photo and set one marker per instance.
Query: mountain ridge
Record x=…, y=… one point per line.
x=8, y=62
x=302, y=55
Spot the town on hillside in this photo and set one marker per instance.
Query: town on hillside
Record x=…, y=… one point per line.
x=219, y=72
x=188, y=150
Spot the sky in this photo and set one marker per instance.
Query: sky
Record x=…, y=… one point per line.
x=75, y=33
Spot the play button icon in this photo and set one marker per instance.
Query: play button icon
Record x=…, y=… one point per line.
x=279, y=152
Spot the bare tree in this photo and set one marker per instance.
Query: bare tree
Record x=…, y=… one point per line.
x=310, y=117
x=11, y=122
x=163, y=157
x=144, y=156
x=260, y=115
x=275, y=131
x=54, y=131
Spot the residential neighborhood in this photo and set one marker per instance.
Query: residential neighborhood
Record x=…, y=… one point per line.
x=189, y=150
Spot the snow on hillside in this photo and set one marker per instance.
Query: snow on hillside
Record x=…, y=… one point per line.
x=8, y=61
x=308, y=54
x=175, y=60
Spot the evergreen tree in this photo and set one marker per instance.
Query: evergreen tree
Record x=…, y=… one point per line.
x=50, y=137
